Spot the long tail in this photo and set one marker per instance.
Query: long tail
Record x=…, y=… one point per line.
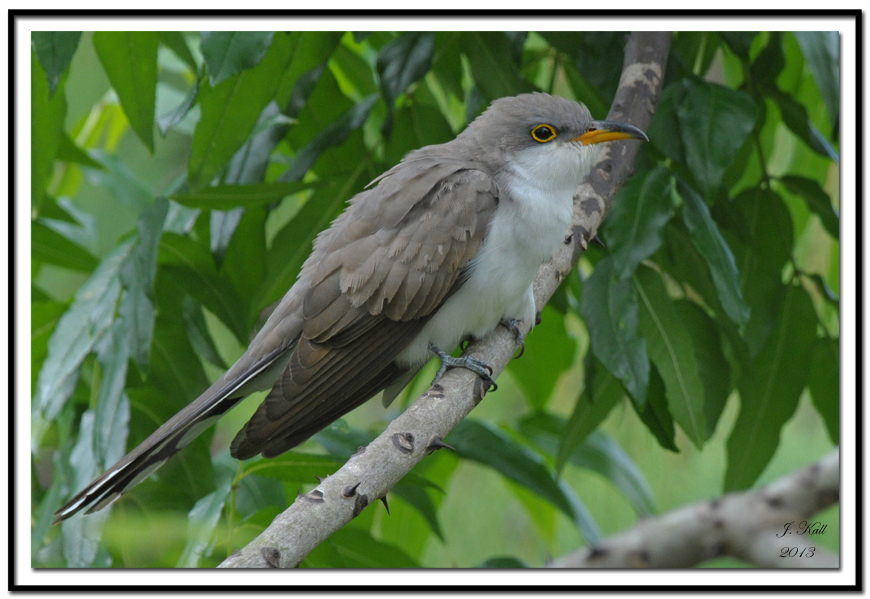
x=174, y=435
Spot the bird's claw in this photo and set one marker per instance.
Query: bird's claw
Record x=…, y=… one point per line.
x=478, y=367
x=513, y=325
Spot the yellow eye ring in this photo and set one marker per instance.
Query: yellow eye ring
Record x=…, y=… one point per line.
x=543, y=133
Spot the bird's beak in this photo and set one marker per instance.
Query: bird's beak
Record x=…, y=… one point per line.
x=610, y=131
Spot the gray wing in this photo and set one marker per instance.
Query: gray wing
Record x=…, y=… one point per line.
x=380, y=273
x=336, y=333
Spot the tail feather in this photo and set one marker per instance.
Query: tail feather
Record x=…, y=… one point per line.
x=170, y=438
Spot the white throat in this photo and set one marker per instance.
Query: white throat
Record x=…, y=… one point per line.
x=532, y=219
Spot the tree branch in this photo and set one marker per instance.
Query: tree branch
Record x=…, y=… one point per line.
x=414, y=434
x=751, y=526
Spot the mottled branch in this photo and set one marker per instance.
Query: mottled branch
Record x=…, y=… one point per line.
x=754, y=526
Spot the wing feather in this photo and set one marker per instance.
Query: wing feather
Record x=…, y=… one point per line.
x=381, y=272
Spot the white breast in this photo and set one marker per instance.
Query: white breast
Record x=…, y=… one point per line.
x=532, y=218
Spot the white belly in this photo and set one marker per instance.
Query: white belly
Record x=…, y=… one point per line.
x=522, y=235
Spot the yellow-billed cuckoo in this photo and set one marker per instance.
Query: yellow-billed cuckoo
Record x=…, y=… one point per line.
x=441, y=247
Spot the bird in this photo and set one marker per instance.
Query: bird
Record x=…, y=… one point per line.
x=440, y=248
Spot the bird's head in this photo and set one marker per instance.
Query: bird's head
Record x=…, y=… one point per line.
x=549, y=137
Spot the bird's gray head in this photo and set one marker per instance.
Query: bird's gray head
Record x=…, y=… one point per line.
x=547, y=137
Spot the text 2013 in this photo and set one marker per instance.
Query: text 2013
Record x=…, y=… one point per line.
x=797, y=552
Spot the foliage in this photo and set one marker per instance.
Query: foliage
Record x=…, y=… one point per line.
x=152, y=270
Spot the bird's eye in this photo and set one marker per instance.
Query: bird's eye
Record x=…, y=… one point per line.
x=544, y=133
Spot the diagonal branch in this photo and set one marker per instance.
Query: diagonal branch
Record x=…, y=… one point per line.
x=415, y=434
x=770, y=527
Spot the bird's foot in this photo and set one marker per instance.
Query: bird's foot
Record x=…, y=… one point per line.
x=513, y=324
x=478, y=367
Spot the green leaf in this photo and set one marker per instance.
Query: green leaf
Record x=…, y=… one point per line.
x=824, y=384
x=403, y=61
x=117, y=177
x=795, y=117
x=70, y=152
x=304, y=468
x=490, y=57
x=504, y=562
x=257, y=496
x=249, y=164
x=51, y=247
x=53, y=499
x=61, y=210
x=714, y=123
x=44, y=316
x=822, y=52
x=419, y=499
x=130, y=61
x=599, y=57
x=711, y=245
x=230, y=110
x=664, y=129
x=112, y=411
x=199, y=335
x=338, y=439
x=175, y=368
x=89, y=318
x=415, y=126
x=713, y=367
x=318, y=47
x=670, y=349
x=487, y=445
x=583, y=90
x=55, y=50
x=170, y=119
x=609, y=308
x=358, y=549
x=222, y=227
x=348, y=65
x=769, y=392
x=599, y=453
x=447, y=63
x=769, y=228
x=38, y=295
x=192, y=266
x=334, y=134
x=602, y=454
x=770, y=61
x=201, y=524
x=294, y=466
x=824, y=289
x=137, y=276
x=601, y=393
x=817, y=200
x=174, y=40
x=244, y=262
x=655, y=414
x=739, y=42
x=640, y=211
x=549, y=353
x=696, y=49
x=47, y=113
x=228, y=197
x=227, y=53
